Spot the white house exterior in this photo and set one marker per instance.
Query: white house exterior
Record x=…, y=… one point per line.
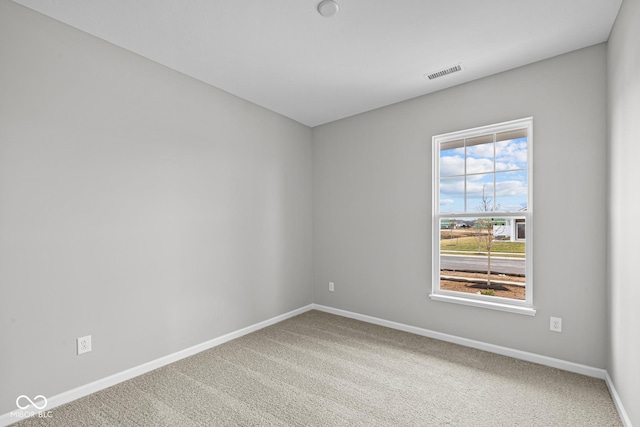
x=513, y=230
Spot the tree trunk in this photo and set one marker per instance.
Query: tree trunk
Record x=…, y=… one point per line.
x=488, y=267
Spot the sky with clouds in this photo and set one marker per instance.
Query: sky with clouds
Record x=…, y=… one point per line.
x=499, y=168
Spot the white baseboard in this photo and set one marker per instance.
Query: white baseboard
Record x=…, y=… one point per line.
x=71, y=395
x=626, y=421
x=85, y=390
x=505, y=351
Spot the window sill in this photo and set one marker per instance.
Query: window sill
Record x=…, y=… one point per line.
x=517, y=309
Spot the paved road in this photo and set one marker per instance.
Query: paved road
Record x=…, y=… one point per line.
x=478, y=263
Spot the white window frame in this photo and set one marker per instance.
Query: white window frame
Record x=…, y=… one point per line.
x=492, y=302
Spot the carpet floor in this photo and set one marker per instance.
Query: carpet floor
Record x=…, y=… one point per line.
x=318, y=369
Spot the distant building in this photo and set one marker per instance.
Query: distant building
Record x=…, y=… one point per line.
x=512, y=229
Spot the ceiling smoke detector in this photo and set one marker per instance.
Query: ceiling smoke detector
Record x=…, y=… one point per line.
x=327, y=8
x=444, y=72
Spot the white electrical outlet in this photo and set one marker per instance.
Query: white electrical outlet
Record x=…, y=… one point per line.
x=555, y=324
x=84, y=344
x=331, y=286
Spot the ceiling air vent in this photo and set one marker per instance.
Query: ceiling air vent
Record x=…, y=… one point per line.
x=445, y=72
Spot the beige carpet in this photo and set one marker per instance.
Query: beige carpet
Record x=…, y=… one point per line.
x=318, y=369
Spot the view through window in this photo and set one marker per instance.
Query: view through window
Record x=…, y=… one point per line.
x=482, y=213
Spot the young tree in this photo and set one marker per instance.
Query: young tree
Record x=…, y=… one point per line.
x=452, y=225
x=486, y=228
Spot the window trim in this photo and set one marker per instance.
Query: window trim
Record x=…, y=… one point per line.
x=491, y=302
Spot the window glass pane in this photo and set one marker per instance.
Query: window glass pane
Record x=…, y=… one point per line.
x=511, y=154
x=452, y=158
x=480, y=193
x=480, y=256
x=511, y=191
x=452, y=195
x=480, y=158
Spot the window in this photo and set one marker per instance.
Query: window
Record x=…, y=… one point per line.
x=520, y=229
x=482, y=212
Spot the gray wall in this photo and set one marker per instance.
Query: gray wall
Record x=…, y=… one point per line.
x=372, y=207
x=624, y=207
x=155, y=212
x=136, y=205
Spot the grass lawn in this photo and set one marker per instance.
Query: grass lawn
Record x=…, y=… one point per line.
x=470, y=244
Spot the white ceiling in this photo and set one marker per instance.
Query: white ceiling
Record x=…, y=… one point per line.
x=284, y=56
